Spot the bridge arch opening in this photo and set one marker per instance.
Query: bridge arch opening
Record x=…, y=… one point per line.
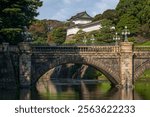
x=83, y=88
x=75, y=71
x=142, y=84
x=145, y=75
x=104, y=72
x=142, y=71
x=75, y=89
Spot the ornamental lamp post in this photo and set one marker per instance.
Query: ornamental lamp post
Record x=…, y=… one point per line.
x=26, y=35
x=92, y=39
x=84, y=40
x=126, y=32
x=116, y=38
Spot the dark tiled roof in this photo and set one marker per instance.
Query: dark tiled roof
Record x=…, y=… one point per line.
x=82, y=15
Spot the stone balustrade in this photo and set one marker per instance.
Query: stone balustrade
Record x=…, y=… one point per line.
x=13, y=49
x=142, y=52
x=141, y=48
x=80, y=49
x=10, y=48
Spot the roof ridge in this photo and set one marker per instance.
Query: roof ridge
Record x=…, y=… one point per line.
x=78, y=15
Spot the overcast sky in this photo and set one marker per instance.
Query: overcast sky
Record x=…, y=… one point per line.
x=64, y=9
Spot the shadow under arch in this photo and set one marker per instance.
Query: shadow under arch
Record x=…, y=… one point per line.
x=141, y=69
x=76, y=59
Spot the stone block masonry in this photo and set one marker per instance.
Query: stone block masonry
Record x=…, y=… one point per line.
x=8, y=68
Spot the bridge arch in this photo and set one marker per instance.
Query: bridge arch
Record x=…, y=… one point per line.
x=100, y=65
x=141, y=69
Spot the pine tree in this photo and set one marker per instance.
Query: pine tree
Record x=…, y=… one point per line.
x=14, y=16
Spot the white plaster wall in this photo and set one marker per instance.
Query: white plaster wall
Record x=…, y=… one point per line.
x=92, y=28
x=72, y=31
x=87, y=29
x=81, y=21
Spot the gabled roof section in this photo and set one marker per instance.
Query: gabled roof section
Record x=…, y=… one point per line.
x=81, y=15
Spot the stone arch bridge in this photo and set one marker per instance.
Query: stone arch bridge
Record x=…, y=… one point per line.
x=121, y=64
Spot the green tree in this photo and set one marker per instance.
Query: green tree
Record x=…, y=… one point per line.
x=58, y=35
x=131, y=22
x=136, y=8
x=145, y=30
x=109, y=14
x=135, y=14
x=106, y=33
x=39, y=31
x=79, y=36
x=14, y=15
x=127, y=6
x=98, y=17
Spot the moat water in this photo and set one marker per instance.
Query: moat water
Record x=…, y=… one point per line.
x=78, y=90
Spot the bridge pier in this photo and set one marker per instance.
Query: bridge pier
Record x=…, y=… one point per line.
x=126, y=64
x=25, y=65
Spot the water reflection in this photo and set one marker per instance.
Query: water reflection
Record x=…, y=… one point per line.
x=84, y=90
x=78, y=90
x=9, y=94
x=143, y=89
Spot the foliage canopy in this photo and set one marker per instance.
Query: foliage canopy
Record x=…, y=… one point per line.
x=14, y=16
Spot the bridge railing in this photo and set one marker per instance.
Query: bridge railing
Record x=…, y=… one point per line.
x=80, y=49
x=141, y=48
x=10, y=48
x=13, y=49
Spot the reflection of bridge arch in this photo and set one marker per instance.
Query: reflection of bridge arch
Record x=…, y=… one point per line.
x=99, y=64
x=141, y=69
